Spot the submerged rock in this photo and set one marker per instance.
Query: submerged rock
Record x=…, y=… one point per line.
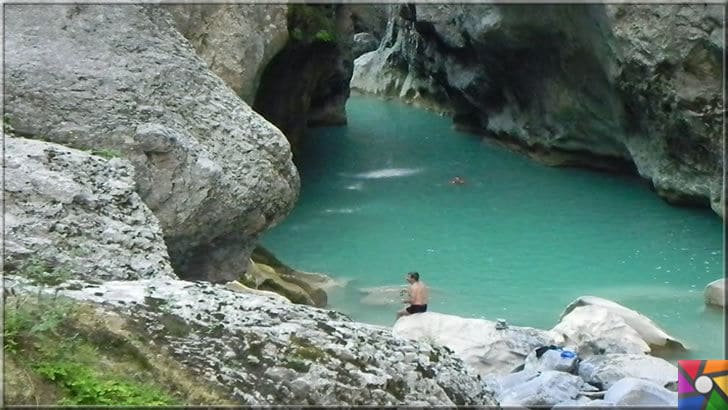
x=297, y=290
x=606, y=370
x=73, y=215
x=383, y=295
x=477, y=341
x=715, y=293
x=259, y=351
x=121, y=77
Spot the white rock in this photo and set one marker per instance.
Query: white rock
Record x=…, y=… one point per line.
x=551, y=360
x=652, y=334
x=376, y=367
x=637, y=392
x=476, y=341
x=547, y=389
x=595, y=330
x=715, y=293
x=580, y=401
x=606, y=370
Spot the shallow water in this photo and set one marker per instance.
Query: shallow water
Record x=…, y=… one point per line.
x=517, y=241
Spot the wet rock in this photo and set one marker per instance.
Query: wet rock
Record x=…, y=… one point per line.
x=715, y=293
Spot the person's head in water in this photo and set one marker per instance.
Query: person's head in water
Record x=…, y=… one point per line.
x=457, y=181
x=413, y=277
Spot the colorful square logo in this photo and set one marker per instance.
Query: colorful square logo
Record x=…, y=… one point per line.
x=702, y=384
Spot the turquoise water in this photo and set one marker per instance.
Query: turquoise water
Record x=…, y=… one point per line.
x=518, y=241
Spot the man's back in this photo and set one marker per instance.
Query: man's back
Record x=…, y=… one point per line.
x=419, y=293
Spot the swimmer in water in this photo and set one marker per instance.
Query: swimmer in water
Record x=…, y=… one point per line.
x=457, y=181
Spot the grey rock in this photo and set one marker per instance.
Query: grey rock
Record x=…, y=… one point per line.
x=649, y=331
x=298, y=360
x=551, y=360
x=236, y=40
x=637, y=392
x=579, y=402
x=307, y=83
x=73, y=215
x=715, y=293
x=370, y=18
x=364, y=43
x=593, y=330
x=546, y=389
x=121, y=77
x=476, y=341
x=606, y=370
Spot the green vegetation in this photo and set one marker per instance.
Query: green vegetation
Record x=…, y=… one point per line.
x=106, y=153
x=84, y=386
x=309, y=23
x=45, y=345
x=7, y=126
x=42, y=273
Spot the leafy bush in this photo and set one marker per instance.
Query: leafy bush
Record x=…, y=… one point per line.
x=310, y=23
x=84, y=387
x=26, y=320
x=39, y=333
x=42, y=273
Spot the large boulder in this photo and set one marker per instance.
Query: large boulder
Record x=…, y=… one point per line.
x=594, y=330
x=650, y=332
x=637, y=392
x=259, y=351
x=477, y=341
x=715, y=293
x=120, y=77
x=70, y=214
x=236, y=40
x=606, y=370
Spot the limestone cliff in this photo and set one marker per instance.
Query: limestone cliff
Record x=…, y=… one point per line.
x=236, y=40
x=120, y=77
x=619, y=87
x=307, y=83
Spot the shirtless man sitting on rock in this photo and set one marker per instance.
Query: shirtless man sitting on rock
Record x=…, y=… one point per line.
x=417, y=296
